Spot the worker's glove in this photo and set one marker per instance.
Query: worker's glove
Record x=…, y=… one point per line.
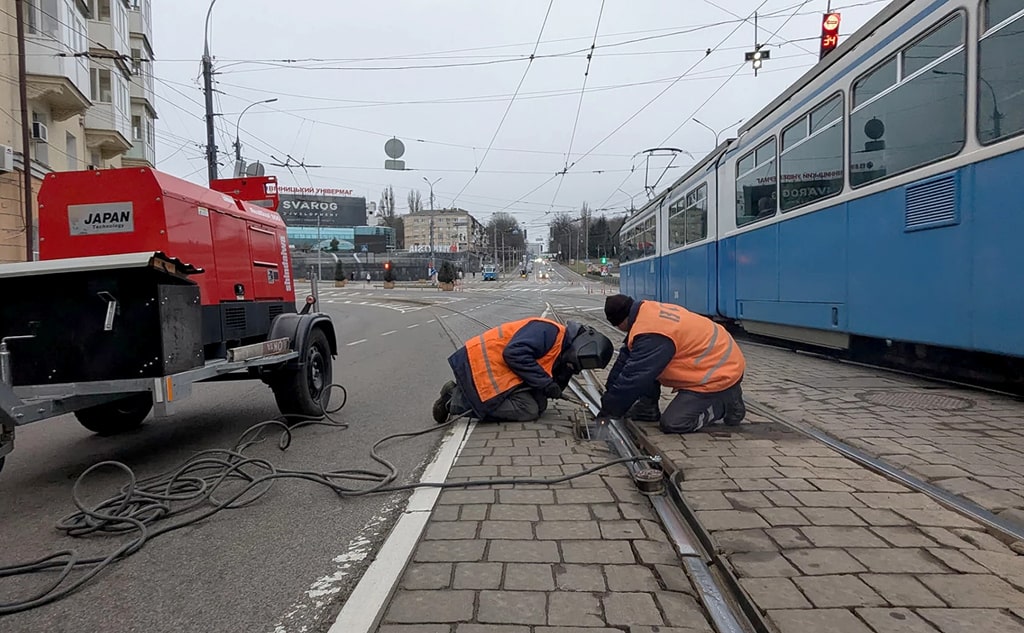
x=553, y=391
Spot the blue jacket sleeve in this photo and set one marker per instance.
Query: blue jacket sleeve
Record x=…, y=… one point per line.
x=650, y=355
x=531, y=342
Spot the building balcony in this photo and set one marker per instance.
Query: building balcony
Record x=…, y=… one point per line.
x=141, y=154
x=140, y=23
x=143, y=87
x=107, y=130
x=110, y=36
x=61, y=82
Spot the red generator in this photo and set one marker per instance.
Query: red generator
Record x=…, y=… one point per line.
x=147, y=284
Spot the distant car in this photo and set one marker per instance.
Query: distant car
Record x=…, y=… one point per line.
x=544, y=274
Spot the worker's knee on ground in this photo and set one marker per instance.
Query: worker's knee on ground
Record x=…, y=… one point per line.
x=688, y=423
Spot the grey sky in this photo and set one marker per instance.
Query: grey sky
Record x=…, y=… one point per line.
x=340, y=117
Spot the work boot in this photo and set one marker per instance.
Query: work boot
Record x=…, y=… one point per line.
x=441, y=410
x=735, y=411
x=644, y=410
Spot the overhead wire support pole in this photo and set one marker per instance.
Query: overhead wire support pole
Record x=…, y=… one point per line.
x=211, y=142
x=26, y=136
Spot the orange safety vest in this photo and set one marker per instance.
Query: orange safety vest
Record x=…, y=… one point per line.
x=491, y=376
x=707, y=358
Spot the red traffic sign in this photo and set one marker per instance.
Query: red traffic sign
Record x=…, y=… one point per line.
x=831, y=22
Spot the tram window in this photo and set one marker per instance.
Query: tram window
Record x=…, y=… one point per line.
x=1000, y=75
x=697, y=214
x=813, y=168
x=677, y=224
x=920, y=121
x=933, y=46
x=998, y=10
x=755, y=189
x=875, y=82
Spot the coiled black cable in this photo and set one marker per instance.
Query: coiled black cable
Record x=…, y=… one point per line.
x=189, y=493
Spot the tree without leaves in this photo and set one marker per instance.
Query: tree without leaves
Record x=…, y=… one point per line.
x=563, y=230
x=415, y=201
x=504, y=226
x=387, y=205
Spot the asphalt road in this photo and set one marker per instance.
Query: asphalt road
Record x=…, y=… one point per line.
x=288, y=562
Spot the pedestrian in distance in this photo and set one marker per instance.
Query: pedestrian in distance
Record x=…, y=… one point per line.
x=509, y=372
x=667, y=345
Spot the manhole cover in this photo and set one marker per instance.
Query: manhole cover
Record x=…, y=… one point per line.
x=916, y=400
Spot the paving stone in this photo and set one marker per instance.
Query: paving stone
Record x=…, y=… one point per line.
x=747, y=500
x=822, y=562
x=512, y=607
x=981, y=540
x=565, y=513
x=514, y=512
x=526, y=496
x=946, y=538
x=838, y=591
x=621, y=530
x=774, y=593
x=576, y=629
x=817, y=621
x=762, y=565
x=523, y=552
x=451, y=530
x=631, y=608
x=828, y=499
x=793, y=483
x=474, y=512
x=782, y=498
x=529, y=577
x=833, y=516
x=574, y=609
x=598, y=552
x=461, y=497
x=788, y=538
x=974, y=591
x=655, y=552
x=473, y=472
x=899, y=561
x=653, y=530
x=754, y=484
x=895, y=621
x=427, y=576
x=446, y=513
x=688, y=485
x=579, y=578
x=660, y=629
x=674, y=578
x=630, y=578
x=730, y=520
x=419, y=607
x=567, y=530
x=962, y=485
x=583, y=495
x=839, y=536
x=744, y=541
x=896, y=500
x=682, y=610
x=510, y=530
x=632, y=512
x=904, y=536
x=972, y=620
x=477, y=576
x=902, y=590
x=782, y=516
x=832, y=485
x=450, y=551
x=414, y=628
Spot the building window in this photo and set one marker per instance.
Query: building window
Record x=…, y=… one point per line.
x=811, y=162
x=100, y=9
x=1000, y=76
x=755, y=184
x=136, y=127
x=41, y=149
x=44, y=17
x=150, y=132
x=136, y=61
x=917, y=120
x=71, y=149
x=102, y=87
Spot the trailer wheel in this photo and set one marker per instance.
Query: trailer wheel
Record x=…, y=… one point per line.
x=118, y=416
x=306, y=391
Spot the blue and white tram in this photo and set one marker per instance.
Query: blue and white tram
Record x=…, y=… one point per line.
x=875, y=199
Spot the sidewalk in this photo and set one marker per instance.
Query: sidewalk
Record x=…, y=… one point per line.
x=585, y=555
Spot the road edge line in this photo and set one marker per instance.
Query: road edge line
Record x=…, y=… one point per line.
x=365, y=605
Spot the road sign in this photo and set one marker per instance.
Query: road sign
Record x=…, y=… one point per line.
x=366, y=248
x=394, y=148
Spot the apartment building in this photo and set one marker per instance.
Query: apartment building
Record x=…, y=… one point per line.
x=455, y=230
x=90, y=97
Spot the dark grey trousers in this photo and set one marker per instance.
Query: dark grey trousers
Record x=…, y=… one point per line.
x=522, y=404
x=690, y=411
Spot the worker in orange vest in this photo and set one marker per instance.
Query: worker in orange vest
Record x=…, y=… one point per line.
x=509, y=372
x=670, y=346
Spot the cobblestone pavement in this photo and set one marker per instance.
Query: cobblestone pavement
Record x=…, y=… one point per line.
x=585, y=555
x=970, y=443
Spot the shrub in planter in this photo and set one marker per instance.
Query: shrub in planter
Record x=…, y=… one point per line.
x=446, y=276
x=339, y=275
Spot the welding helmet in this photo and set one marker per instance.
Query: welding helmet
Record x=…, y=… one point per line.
x=587, y=348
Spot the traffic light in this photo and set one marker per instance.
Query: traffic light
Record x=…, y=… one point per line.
x=604, y=260
x=387, y=265
x=829, y=33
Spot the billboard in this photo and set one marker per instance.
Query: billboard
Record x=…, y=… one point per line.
x=328, y=207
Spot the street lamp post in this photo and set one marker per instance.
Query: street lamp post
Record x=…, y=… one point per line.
x=211, y=144
x=238, y=142
x=431, y=185
x=997, y=116
x=719, y=132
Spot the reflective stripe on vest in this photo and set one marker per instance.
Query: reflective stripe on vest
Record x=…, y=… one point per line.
x=492, y=377
x=707, y=358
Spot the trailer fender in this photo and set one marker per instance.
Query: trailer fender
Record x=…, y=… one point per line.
x=297, y=328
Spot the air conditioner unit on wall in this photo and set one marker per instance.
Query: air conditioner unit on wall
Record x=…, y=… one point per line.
x=6, y=159
x=39, y=132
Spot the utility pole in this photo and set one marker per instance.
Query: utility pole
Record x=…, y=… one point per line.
x=431, y=185
x=211, y=143
x=26, y=124
x=586, y=234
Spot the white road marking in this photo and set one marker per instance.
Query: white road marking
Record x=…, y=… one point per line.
x=367, y=601
x=431, y=321
x=412, y=326
x=388, y=333
x=362, y=340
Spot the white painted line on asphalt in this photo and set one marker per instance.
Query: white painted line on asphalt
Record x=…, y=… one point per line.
x=362, y=340
x=412, y=326
x=547, y=311
x=431, y=320
x=366, y=603
x=388, y=333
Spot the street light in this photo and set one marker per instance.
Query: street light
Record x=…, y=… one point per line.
x=997, y=116
x=238, y=142
x=718, y=133
x=431, y=185
x=632, y=207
